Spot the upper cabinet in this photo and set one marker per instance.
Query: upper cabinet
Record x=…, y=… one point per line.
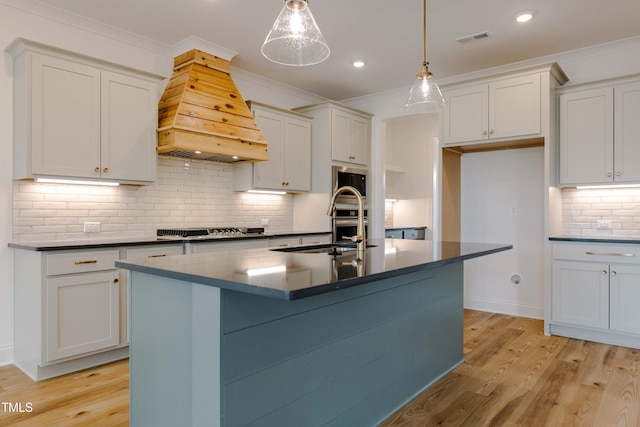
x=599, y=133
x=289, y=147
x=501, y=108
x=350, y=137
x=75, y=119
x=346, y=131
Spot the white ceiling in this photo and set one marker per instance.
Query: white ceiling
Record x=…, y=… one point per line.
x=387, y=34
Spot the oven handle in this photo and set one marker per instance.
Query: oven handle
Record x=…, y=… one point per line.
x=349, y=221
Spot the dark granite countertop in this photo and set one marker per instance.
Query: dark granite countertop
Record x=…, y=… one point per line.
x=61, y=245
x=291, y=275
x=598, y=239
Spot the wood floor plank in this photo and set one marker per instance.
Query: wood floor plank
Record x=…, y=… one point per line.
x=514, y=376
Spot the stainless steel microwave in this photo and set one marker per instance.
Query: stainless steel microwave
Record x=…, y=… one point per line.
x=346, y=176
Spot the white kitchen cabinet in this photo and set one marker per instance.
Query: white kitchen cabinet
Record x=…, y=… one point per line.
x=503, y=108
x=67, y=310
x=350, y=137
x=340, y=134
x=595, y=289
x=76, y=119
x=586, y=137
x=599, y=131
x=581, y=294
x=82, y=314
x=289, y=150
x=82, y=303
x=626, y=151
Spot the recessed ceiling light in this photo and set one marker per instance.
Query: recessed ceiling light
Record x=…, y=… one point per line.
x=358, y=63
x=524, y=17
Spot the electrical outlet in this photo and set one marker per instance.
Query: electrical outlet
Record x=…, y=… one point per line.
x=605, y=224
x=91, y=227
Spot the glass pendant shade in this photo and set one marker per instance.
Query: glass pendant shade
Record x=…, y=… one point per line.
x=295, y=38
x=425, y=95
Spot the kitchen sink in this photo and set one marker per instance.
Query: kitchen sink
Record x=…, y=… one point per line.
x=328, y=248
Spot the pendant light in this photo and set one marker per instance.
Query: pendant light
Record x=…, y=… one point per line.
x=295, y=38
x=425, y=95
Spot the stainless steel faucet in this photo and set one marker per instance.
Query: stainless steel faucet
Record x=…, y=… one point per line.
x=360, y=237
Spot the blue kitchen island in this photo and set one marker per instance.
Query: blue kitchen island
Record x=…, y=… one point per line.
x=294, y=337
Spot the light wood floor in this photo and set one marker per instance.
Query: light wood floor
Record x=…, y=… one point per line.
x=513, y=376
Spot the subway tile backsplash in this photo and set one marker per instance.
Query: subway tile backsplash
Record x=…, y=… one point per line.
x=187, y=193
x=582, y=209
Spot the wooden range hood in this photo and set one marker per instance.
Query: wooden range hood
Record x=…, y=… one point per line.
x=201, y=114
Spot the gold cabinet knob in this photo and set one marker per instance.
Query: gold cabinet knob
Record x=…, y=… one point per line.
x=105, y=170
x=491, y=132
x=116, y=281
x=609, y=174
x=97, y=169
x=618, y=173
x=613, y=273
x=484, y=132
x=604, y=272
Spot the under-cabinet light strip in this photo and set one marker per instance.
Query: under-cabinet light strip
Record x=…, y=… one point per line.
x=76, y=182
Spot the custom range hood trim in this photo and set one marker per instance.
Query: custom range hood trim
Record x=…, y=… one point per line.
x=202, y=115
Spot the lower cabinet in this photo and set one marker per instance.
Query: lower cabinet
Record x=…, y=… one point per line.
x=83, y=313
x=409, y=233
x=67, y=310
x=595, y=291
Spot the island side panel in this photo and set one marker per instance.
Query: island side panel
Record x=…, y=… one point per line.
x=346, y=358
x=174, y=352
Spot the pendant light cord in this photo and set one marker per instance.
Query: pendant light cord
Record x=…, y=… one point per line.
x=424, y=34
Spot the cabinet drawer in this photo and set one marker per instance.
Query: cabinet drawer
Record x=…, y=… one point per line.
x=154, y=251
x=609, y=253
x=81, y=262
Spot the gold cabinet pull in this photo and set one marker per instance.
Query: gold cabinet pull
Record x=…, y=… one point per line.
x=97, y=169
x=156, y=256
x=613, y=273
x=491, y=132
x=91, y=261
x=484, y=132
x=116, y=281
x=608, y=253
x=604, y=272
x=106, y=170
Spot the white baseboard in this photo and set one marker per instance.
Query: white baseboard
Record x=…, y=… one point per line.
x=504, y=307
x=6, y=355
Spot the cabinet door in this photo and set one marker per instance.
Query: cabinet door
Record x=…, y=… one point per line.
x=270, y=174
x=625, y=295
x=586, y=137
x=297, y=155
x=340, y=135
x=514, y=107
x=627, y=133
x=82, y=314
x=65, y=114
x=394, y=234
x=359, y=130
x=466, y=115
x=580, y=294
x=129, y=122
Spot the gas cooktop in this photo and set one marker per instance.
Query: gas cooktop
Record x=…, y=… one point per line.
x=197, y=233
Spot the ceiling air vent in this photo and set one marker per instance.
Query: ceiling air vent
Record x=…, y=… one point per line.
x=473, y=37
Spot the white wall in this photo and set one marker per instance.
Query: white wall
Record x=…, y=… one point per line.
x=31, y=20
x=409, y=156
x=503, y=202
